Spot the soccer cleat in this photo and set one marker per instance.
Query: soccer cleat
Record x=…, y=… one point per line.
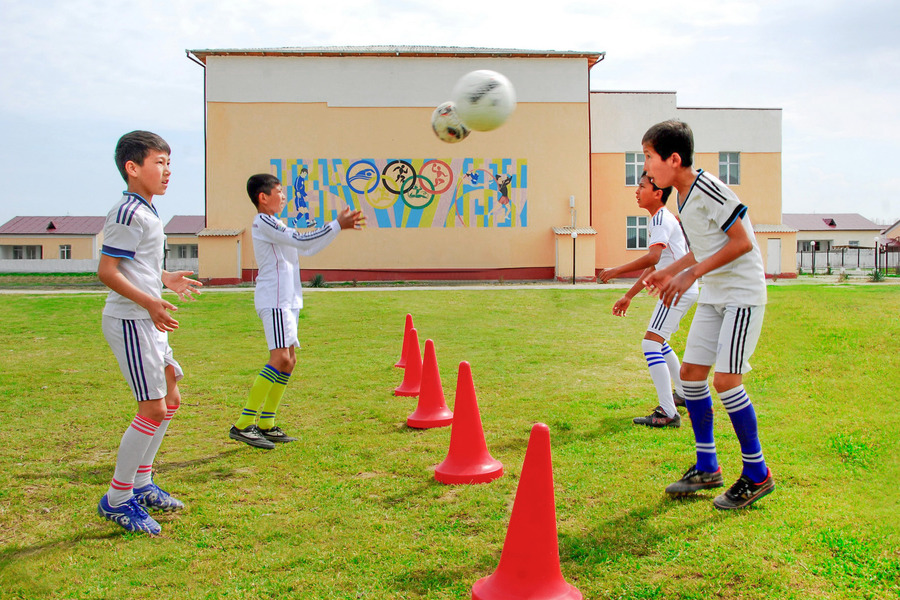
x=153, y=497
x=678, y=398
x=251, y=436
x=695, y=480
x=129, y=516
x=658, y=418
x=744, y=492
x=275, y=434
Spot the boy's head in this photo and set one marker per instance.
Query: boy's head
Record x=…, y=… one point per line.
x=668, y=151
x=651, y=197
x=135, y=147
x=262, y=183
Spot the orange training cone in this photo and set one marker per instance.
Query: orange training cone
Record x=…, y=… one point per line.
x=468, y=460
x=412, y=376
x=432, y=410
x=401, y=364
x=529, y=564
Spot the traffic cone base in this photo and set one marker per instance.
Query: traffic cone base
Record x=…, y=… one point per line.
x=401, y=364
x=412, y=376
x=529, y=564
x=432, y=410
x=468, y=459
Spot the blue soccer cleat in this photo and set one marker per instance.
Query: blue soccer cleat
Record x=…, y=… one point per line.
x=129, y=516
x=153, y=497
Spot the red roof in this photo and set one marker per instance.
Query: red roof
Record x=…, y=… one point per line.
x=185, y=225
x=829, y=222
x=53, y=226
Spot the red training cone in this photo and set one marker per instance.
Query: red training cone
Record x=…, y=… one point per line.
x=401, y=364
x=412, y=377
x=529, y=564
x=468, y=459
x=432, y=410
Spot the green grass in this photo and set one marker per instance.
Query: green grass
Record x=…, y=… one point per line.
x=352, y=510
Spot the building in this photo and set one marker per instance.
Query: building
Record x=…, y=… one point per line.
x=549, y=195
x=182, y=242
x=832, y=230
x=740, y=146
x=51, y=244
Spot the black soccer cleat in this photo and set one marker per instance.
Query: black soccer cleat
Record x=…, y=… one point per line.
x=251, y=436
x=695, y=480
x=745, y=492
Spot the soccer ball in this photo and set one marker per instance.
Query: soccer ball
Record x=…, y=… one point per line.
x=484, y=99
x=446, y=124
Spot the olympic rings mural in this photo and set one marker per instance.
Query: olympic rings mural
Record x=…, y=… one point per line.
x=401, y=193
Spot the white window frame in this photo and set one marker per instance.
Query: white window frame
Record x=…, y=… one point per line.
x=730, y=168
x=634, y=166
x=65, y=251
x=640, y=226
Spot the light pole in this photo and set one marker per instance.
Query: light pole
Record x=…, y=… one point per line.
x=876, y=256
x=812, y=245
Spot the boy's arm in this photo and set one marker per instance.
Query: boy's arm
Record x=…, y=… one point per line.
x=622, y=304
x=311, y=242
x=737, y=245
x=648, y=260
x=109, y=273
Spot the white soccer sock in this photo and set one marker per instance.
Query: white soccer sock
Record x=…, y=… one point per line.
x=674, y=367
x=145, y=470
x=132, y=448
x=659, y=373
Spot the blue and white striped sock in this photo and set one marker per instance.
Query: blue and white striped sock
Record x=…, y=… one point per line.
x=743, y=419
x=698, y=401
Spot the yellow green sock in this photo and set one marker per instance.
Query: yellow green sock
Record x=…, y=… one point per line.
x=258, y=393
x=273, y=399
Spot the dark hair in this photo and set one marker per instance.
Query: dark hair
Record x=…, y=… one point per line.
x=135, y=147
x=665, y=191
x=671, y=137
x=262, y=183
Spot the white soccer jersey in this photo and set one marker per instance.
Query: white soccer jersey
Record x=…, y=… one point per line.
x=665, y=230
x=707, y=213
x=134, y=233
x=278, y=248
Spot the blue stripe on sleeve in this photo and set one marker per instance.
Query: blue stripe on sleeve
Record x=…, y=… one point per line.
x=117, y=252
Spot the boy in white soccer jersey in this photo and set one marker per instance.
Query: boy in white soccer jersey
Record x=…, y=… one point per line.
x=666, y=245
x=729, y=316
x=278, y=299
x=136, y=322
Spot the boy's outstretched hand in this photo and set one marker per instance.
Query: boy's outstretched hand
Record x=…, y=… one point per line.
x=179, y=283
x=351, y=219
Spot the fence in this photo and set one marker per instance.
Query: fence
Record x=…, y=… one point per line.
x=53, y=265
x=849, y=259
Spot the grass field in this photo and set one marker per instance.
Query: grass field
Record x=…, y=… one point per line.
x=352, y=510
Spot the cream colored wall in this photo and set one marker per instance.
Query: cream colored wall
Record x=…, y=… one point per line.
x=173, y=240
x=788, y=250
x=243, y=137
x=218, y=257
x=83, y=248
x=760, y=187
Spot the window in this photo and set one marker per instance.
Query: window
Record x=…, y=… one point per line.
x=182, y=251
x=65, y=251
x=195, y=251
x=821, y=245
x=634, y=166
x=636, y=233
x=853, y=243
x=730, y=167
x=32, y=252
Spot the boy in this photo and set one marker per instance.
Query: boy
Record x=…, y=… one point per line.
x=136, y=322
x=666, y=245
x=278, y=299
x=729, y=316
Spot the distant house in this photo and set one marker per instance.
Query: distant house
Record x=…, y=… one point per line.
x=182, y=246
x=891, y=235
x=51, y=238
x=832, y=230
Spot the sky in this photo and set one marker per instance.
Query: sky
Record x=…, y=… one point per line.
x=77, y=74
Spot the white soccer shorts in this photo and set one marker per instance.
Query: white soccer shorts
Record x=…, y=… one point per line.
x=666, y=319
x=143, y=353
x=724, y=335
x=280, y=325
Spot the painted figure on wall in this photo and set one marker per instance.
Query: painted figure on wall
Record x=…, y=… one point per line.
x=300, y=203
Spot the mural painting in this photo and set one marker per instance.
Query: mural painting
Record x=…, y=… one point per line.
x=401, y=193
